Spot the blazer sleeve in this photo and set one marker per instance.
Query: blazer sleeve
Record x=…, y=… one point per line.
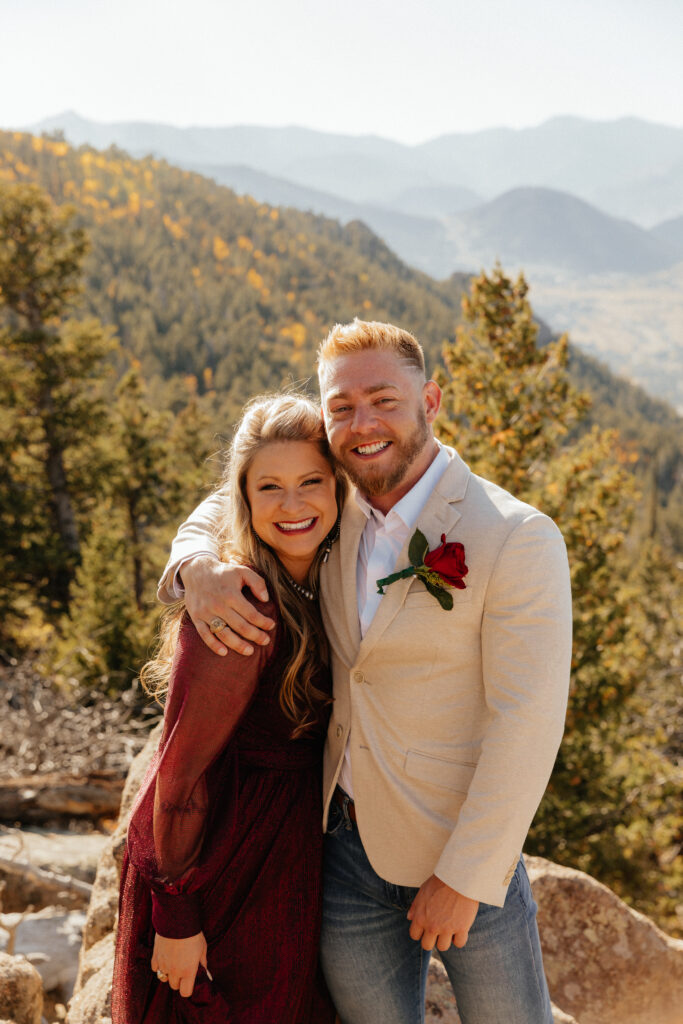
x=207, y=699
x=526, y=656
x=196, y=536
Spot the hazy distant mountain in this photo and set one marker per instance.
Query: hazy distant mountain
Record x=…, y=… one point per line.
x=436, y=200
x=617, y=165
x=629, y=168
x=421, y=241
x=544, y=228
x=360, y=168
x=671, y=232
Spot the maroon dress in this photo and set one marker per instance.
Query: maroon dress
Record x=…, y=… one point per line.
x=225, y=837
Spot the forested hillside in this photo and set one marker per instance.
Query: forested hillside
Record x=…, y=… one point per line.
x=220, y=296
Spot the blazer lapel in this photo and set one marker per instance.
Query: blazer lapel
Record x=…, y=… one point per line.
x=338, y=586
x=352, y=526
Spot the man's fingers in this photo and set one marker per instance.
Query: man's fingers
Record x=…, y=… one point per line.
x=242, y=621
x=209, y=638
x=460, y=939
x=248, y=621
x=428, y=940
x=257, y=587
x=444, y=942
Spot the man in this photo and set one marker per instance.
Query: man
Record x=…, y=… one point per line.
x=446, y=721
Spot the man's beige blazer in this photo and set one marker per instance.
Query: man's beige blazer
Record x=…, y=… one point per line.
x=454, y=717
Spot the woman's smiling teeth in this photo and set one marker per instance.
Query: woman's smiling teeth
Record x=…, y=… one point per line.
x=372, y=449
x=304, y=524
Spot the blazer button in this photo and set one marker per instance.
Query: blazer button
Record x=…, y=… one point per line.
x=340, y=730
x=358, y=677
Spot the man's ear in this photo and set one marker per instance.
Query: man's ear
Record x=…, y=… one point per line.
x=431, y=397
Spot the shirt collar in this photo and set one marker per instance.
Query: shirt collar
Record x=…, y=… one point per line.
x=407, y=510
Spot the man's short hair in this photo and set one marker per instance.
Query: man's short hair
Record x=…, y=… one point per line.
x=365, y=335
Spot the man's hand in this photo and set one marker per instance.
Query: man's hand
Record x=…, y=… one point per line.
x=441, y=916
x=215, y=588
x=180, y=959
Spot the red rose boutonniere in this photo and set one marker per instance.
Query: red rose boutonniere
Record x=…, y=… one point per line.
x=439, y=570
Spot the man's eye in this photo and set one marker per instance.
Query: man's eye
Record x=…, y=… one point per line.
x=340, y=409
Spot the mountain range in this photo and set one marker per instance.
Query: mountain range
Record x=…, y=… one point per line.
x=526, y=197
x=628, y=168
x=572, y=202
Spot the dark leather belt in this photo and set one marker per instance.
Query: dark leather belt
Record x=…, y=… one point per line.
x=341, y=798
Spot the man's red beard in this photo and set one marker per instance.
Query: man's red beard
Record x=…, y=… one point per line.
x=374, y=482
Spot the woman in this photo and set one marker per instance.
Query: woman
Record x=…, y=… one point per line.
x=220, y=890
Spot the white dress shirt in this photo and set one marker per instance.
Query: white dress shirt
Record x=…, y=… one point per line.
x=381, y=543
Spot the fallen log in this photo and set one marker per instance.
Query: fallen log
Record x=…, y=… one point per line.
x=46, y=879
x=36, y=798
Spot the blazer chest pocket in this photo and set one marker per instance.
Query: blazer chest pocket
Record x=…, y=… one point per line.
x=455, y=775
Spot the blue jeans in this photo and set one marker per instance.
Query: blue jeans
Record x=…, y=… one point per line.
x=377, y=974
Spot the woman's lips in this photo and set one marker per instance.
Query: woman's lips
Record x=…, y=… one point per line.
x=296, y=528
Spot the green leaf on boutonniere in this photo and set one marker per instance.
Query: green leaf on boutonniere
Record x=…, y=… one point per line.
x=442, y=595
x=418, y=548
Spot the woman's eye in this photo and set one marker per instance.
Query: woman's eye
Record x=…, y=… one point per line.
x=313, y=480
x=268, y=487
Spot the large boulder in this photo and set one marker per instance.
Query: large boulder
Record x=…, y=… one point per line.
x=21, y=991
x=91, y=1002
x=605, y=963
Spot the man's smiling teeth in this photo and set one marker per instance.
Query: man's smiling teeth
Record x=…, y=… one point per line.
x=291, y=527
x=371, y=449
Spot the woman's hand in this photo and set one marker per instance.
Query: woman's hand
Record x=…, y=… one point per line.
x=180, y=959
x=214, y=589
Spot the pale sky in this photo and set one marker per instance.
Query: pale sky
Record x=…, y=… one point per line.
x=404, y=70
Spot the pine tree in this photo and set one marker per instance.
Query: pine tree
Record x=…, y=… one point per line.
x=52, y=368
x=156, y=465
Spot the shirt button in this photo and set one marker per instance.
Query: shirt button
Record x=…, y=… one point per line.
x=340, y=730
x=358, y=677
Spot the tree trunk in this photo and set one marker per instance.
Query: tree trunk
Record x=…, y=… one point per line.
x=56, y=475
x=138, y=580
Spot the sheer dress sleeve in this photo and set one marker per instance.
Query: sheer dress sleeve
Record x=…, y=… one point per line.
x=207, y=698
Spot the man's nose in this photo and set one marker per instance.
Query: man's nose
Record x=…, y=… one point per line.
x=364, y=419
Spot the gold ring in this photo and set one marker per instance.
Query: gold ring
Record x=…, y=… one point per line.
x=162, y=976
x=217, y=624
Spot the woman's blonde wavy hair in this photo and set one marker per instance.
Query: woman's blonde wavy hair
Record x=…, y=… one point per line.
x=265, y=420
